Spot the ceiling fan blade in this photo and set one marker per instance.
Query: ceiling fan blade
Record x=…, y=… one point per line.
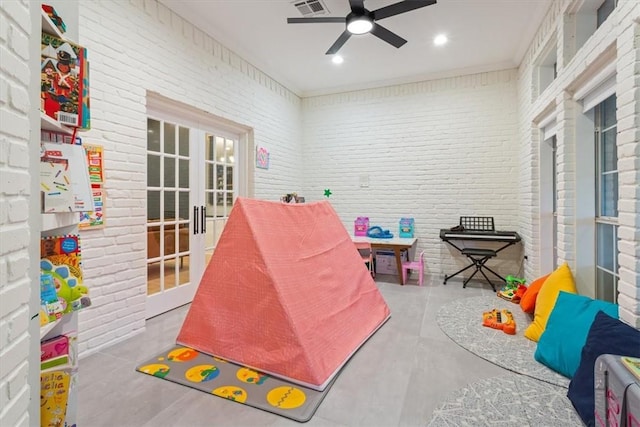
x=316, y=20
x=335, y=47
x=386, y=35
x=357, y=6
x=401, y=7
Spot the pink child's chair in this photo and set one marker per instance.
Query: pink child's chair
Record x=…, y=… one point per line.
x=414, y=265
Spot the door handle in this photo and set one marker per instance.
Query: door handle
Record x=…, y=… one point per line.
x=195, y=220
x=203, y=212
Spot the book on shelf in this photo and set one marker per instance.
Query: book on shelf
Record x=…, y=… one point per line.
x=60, y=137
x=55, y=363
x=55, y=185
x=54, y=396
x=76, y=173
x=54, y=17
x=60, y=257
x=62, y=80
x=51, y=307
x=54, y=347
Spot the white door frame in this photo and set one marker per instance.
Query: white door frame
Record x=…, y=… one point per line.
x=199, y=122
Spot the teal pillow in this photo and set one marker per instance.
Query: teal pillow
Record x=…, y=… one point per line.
x=560, y=345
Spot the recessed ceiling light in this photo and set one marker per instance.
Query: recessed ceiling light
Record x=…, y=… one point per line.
x=440, y=39
x=337, y=59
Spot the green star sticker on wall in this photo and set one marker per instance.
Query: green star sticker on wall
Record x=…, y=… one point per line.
x=327, y=192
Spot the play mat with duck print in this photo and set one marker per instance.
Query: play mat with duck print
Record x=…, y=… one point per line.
x=234, y=382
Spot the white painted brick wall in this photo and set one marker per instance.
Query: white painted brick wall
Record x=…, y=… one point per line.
x=135, y=47
x=15, y=284
x=620, y=32
x=434, y=151
x=417, y=145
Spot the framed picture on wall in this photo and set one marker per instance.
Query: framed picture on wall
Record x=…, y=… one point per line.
x=262, y=158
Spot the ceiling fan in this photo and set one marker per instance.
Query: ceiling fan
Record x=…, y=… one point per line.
x=362, y=21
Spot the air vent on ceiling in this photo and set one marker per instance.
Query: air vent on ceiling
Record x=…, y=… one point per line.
x=311, y=7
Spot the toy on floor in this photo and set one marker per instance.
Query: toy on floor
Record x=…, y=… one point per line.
x=513, y=290
x=499, y=319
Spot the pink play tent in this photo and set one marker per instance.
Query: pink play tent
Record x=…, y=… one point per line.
x=285, y=293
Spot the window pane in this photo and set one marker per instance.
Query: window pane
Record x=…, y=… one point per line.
x=608, y=112
x=609, y=196
x=230, y=151
x=183, y=204
x=183, y=141
x=606, y=246
x=169, y=205
x=169, y=138
x=183, y=173
x=169, y=239
x=153, y=236
x=220, y=149
x=229, y=177
x=219, y=177
x=210, y=176
x=169, y=172
x=153, y=170
x=153, y=205
x=606, y=286
x=604, y=11
x=153, y=135
x=209, y=148
x=609, y=151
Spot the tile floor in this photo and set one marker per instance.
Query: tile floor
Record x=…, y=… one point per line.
x=396, y=379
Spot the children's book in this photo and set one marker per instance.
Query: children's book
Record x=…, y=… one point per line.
x=54, y=347
x=54, y=395
x=55, y=363
x=55, y=185
x=60, y=258
x=77, y=173
x=632, y=364
x=62, y=70
x=51, y=307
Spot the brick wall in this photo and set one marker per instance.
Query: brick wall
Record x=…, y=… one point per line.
x=15, y=235
x=619, y=35
x=136, y=47
x=433, y=150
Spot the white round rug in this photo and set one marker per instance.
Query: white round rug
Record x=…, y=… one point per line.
x=461, y=320
x=509, y=400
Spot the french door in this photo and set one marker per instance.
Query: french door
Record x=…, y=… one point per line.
x=191, y=186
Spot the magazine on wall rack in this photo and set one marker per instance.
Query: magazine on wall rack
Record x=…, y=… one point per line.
x=76, y=171
x=62, y=80
x=60, y=257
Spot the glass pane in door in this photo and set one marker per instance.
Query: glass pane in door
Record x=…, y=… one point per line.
x=168, y=192
x=219, y=186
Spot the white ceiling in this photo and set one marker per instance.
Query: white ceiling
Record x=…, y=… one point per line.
x=484, y=35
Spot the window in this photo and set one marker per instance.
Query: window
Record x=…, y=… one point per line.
x=606, y=200
x=548, y=175
x=547, y=67
x=589, y=16
x=605, y=10
x=220, y=162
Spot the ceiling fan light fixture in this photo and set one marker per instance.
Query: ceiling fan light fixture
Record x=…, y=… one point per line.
x=337, y=59
x=359, y=25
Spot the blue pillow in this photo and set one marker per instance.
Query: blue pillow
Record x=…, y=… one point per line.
x=561, y=343
x=606, y=336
